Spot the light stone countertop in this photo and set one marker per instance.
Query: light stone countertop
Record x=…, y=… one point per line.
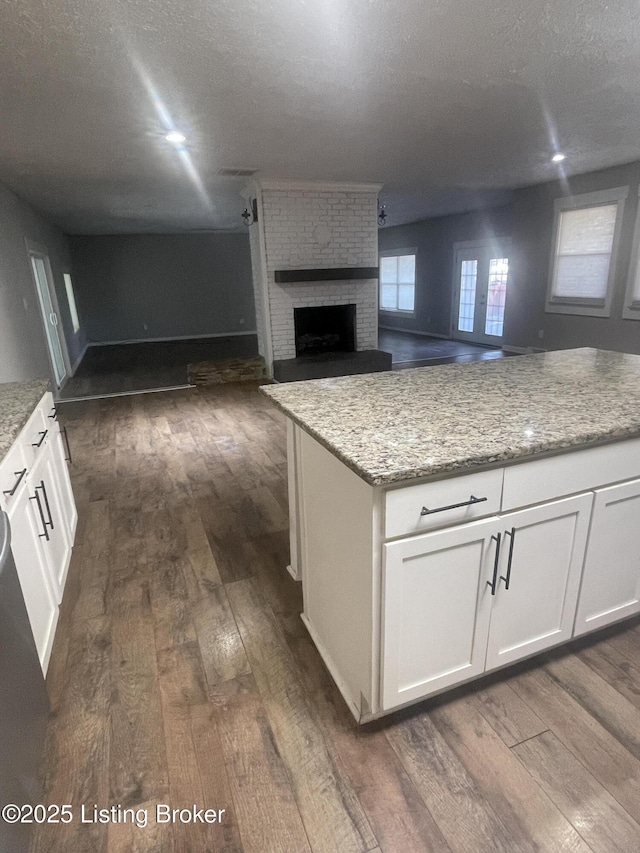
x=454, y=418
x=17, y=402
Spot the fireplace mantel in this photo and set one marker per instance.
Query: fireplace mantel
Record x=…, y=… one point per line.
x=324, y=274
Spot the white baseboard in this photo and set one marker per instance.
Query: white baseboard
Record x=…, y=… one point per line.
x=176, y=338
x=293, y=574
x=415, y=332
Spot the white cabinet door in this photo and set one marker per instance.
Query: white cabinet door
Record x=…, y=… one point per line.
x=31, y=563
x=610, y=587
x=69, y=513
x=436, y=607
x=541, y=558
x=47, y=506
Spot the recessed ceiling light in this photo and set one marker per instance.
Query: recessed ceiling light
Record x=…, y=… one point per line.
x=175, y=137
x=558, y=158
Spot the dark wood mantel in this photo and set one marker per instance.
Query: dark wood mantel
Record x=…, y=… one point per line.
x=325, y=274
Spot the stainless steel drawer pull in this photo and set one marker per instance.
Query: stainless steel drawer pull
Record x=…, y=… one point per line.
x=44, y=535
x=493, y=583
x=507, y=579
x=20, y=475
x=42, y=435
x=472, y=500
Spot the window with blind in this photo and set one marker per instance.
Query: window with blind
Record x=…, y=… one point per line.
x=398, y=281
x=631, y=310
x=586, y=234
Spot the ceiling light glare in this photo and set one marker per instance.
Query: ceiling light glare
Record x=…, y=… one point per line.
x=175, y=137
x=558, y=158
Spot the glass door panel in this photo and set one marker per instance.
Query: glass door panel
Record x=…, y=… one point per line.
x=467, y=302
x=496, y=296
x=481, y=278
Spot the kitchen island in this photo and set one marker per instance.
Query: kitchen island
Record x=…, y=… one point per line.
x=449, y=521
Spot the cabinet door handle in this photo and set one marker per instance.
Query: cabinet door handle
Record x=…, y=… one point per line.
x=54, y=414
x=512, y=534
x=494, y=583
x=20, y=475
x=472, y=500
x=65, y=434
x=42, y=435
x=44, y=535
x=46, y=503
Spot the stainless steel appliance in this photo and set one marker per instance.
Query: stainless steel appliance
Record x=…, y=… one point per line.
x=24, y=706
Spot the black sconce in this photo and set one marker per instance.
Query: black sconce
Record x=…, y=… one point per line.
x=251, y=216
x=382, y=214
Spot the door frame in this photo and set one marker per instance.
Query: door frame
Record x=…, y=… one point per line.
x=503, y=246
x=41, y=251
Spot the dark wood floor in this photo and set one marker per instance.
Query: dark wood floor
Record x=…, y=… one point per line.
x=411, y=350
x=149, y=365
x=182, y=674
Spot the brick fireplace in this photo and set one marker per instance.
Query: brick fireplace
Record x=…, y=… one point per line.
x=314, y=245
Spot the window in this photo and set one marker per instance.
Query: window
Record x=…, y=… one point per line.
x=72, y=303
x=586, y=235
x=398, y=281
x=631, y=310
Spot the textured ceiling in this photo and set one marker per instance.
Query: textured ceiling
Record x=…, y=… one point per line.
x=448, y=103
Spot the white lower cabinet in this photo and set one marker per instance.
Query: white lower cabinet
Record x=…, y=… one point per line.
x=36, y=493
x=49, y=509
x=33, y=571
x=541, y=556
x=611, y=578
x=471, y=598
x=436, y=610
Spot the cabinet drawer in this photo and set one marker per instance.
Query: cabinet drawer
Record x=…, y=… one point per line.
x=428, y=506
x=13, y=473
x=570, y=473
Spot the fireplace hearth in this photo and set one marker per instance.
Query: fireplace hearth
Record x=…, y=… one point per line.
x=325, y=329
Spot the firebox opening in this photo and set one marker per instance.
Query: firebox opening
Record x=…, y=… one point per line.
x=329, y=328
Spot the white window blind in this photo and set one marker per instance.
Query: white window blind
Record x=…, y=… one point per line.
x=586, y=237
x=583, y=255
x=73, y=311
x=397, y=282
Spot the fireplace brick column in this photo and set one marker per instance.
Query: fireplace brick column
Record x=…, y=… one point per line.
x=312, y=226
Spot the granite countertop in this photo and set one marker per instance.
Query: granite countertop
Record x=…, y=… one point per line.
x=455, y=418
x=17, y=401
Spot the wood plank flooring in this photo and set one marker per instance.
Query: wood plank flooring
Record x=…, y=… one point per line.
x=182, y=674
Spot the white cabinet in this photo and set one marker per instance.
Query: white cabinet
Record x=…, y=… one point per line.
x=436, y=610
x=48, y=506
x=542, y=551
x=479, y=596
x=33, y=571
x=611, y=579
x=36, y=493
x=427, y=615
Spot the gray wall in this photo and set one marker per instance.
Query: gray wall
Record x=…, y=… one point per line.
x=434, y=239
x=177, y=285
x=529, y=270
x=529, y=222
x=23, y=349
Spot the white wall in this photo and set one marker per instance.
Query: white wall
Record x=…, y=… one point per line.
x=23, y=349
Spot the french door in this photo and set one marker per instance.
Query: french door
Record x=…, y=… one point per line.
x=480, y=286
x=43, y=279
